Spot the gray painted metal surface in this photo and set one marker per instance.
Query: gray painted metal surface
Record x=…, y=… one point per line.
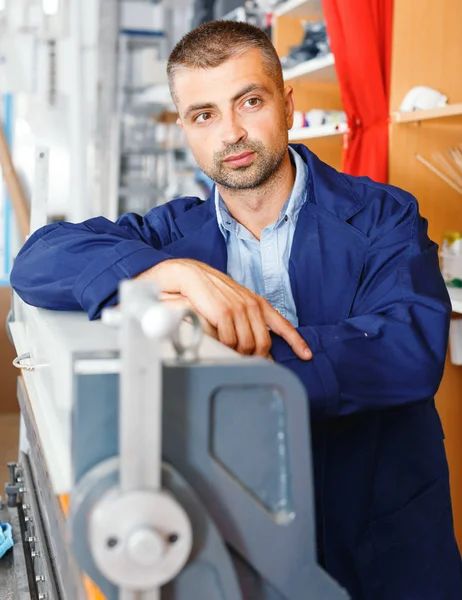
x=235, y=435
x=209, y=573
x=239, y=436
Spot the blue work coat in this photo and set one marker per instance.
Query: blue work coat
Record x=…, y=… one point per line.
x=373, y=307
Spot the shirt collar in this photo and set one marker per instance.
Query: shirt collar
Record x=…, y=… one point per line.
x=291, y=208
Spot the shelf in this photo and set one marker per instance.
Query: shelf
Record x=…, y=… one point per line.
x=305, y=133
x=316, y=69
x=456, y=299
x=450, y=110
x=300, y=8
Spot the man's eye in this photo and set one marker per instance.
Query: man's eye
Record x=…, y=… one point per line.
x=205, y=116
x=253, y=102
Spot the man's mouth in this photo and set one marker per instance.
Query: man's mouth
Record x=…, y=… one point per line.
x=240, y=160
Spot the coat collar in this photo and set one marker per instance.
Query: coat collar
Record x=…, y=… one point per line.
x=327, y=188
x=202, y=239
x=193, y=219
x=327, y=254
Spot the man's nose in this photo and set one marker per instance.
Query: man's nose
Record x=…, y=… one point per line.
x=233, y=130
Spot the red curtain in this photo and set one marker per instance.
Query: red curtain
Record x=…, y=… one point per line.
x=360, y=38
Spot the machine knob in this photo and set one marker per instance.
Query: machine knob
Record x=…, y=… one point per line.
x=146, y=547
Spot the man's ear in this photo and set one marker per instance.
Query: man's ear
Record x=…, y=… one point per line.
x=289, y=105
x=179, y=123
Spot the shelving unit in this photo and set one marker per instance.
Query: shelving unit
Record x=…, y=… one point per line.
x=306, y=133
x=316, y=69
x=314, y=82
x=450, y=110
x=437, y=65
x=300, y=9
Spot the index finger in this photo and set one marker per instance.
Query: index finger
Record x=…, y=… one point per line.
x=281, y=326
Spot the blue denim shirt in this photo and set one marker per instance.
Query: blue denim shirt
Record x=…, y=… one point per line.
x=263, y=266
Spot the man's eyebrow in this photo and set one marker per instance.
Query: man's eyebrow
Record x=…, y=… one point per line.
x=253, y=87
x=193, y=107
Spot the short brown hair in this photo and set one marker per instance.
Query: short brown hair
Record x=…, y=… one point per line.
x=213, y=43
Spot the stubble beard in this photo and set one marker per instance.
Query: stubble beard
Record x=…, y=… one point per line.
x=265, y=166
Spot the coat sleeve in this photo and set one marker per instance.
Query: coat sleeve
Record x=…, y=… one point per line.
x=67, y=266
x=391, y=350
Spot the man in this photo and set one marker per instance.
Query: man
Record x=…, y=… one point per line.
x=332, y=276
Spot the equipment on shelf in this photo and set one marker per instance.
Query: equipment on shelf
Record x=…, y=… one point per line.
x=422, y=97
x=316, y=117
x=314, y=44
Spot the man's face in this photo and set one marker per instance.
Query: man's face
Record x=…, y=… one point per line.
x=235, y=120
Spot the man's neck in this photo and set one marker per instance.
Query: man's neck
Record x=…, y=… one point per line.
x=256, y=209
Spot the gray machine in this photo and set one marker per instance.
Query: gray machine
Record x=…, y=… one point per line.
x=187, y=467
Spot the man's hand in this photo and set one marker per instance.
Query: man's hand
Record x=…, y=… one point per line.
x=179, y=302
x=240, y=317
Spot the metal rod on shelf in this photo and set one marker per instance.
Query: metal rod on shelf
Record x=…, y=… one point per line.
x=447, y=166
x=437, y=172
x=456, y=155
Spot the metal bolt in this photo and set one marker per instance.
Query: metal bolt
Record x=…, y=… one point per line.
x=30, y=540
x=12, y=467
x=19, y=479
x=42, y=597
x=145, y=547
x=34, y=554
x=39, y=578
x=22, y=490
x=28, y=519
x=26, y=506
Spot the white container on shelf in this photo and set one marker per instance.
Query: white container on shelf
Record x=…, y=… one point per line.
x=455, y=341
